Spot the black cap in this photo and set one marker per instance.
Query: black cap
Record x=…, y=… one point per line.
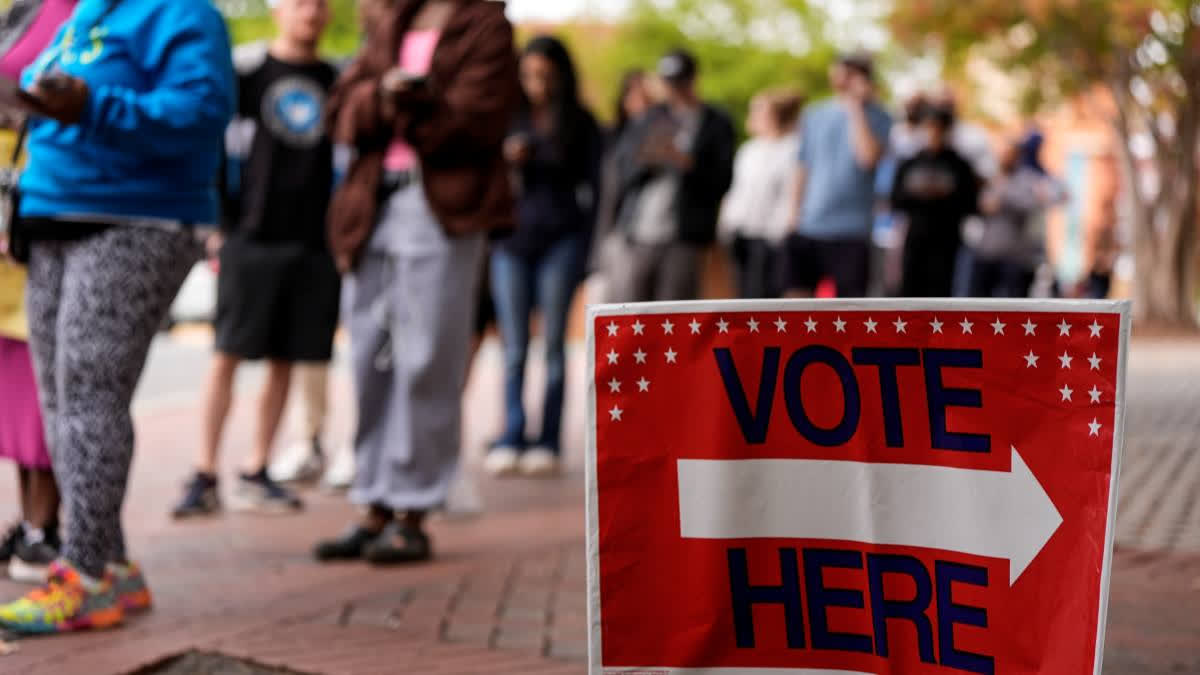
x=677, y=67
x=860, y=61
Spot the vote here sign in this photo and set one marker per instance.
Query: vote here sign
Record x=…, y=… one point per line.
x=882, y=487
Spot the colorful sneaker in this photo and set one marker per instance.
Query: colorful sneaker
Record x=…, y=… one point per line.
x=130, y=584
x=63, y=605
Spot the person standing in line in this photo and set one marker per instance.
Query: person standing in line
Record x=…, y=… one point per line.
x=30, y=545
x=278, y=290
x=841, y=143
x=1004, y=258
x=673, y=168
x=755, y=217
x=935, y=190
x=304, y=460
x=130, y=103
x=408, y=225
x=554, y=149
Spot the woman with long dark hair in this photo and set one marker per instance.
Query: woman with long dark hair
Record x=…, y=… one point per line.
x=129, y=102
x=554, y=150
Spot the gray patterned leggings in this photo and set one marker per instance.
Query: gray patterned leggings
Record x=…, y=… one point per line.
x=94, y=306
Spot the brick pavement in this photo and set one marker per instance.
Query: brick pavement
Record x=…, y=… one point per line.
x=506, y=594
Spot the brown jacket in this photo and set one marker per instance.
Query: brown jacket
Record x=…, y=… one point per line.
x=457, y=125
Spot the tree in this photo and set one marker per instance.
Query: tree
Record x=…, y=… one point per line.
x=743, y=46
x=1146, y=55
x=250, y=21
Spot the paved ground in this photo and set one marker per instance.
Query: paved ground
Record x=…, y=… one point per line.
x=506, y=595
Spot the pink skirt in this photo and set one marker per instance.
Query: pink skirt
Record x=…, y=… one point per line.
x=22, y=437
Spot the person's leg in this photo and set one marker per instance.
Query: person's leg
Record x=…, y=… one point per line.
x=558, y=276
x=41, y=508
x=271, y=404
x=849, y=263
x=313, y=378
x=25, y=492
x=218, y=399
x=800, y=268
x=512, y=291
x=117, y=287
x=630, y=269
x=678, y=272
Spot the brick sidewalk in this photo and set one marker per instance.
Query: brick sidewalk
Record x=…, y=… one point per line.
x=507, y=592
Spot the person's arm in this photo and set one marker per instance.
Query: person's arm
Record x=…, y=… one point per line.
x=472, y=112
x=710, y=168
x=191, y=100
x=868, y=147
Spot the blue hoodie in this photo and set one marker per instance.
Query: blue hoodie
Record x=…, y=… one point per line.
x=149, y=144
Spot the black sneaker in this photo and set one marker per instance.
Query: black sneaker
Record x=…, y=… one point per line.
x=400, y=544
x=257, y=493
x=200, y=498
x=31, y=561
x=8, y=545
x=349, y=546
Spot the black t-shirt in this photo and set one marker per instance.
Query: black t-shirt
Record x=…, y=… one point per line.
x=937, y=190
x=285, y=173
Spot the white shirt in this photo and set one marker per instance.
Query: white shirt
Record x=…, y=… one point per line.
x=759, y=201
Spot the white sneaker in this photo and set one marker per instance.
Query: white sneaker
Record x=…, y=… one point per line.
x=539, y=463
x=300, y=462
x=501, y=461
x=340, y=475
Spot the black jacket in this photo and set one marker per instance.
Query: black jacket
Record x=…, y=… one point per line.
x=701, y=188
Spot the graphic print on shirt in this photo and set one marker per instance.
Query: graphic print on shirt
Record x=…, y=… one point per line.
x=293, y=109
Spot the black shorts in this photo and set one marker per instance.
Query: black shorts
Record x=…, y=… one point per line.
x=807, y=261
x=276, y=301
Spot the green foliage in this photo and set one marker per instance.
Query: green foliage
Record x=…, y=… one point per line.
x=743, y=47
x=251, y=21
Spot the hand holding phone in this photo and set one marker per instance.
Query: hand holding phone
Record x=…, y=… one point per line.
x=399, y=81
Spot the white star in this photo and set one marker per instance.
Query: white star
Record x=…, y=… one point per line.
x=1065, y=360
x=668, y=327
x=1094, y=427
x=811, y=325
x=612, y=357
x=1066, y=392
x=998, y=327
x=840, y=325
x=643, y=384
x=781, y=325
x=723, y=326
x=1095, y=394
x=752, y=324
x=695, y=326
x=1095, y=328
x=671, y=354
x=639, y=356
x=638, y=327
x=1030, y=327
x=612, y=329
x=966, y=326
x=870, y=325
x=615, y=413
x=1094, y=361
x=936, y=325
x=614, y=386
x=900, y=325
x=1064, y=328
x=1031, y=359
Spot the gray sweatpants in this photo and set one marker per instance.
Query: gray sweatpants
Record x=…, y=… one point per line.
x=645, y=272
x=410, y=308
x=94, y=307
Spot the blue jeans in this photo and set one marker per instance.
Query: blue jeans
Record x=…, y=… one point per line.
x=518, y=284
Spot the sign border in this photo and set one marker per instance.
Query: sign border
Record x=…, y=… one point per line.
x=1122, y=308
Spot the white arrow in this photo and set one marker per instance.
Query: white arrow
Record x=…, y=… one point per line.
x=993, y=514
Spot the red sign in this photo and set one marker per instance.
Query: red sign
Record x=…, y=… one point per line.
x=881, y=487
